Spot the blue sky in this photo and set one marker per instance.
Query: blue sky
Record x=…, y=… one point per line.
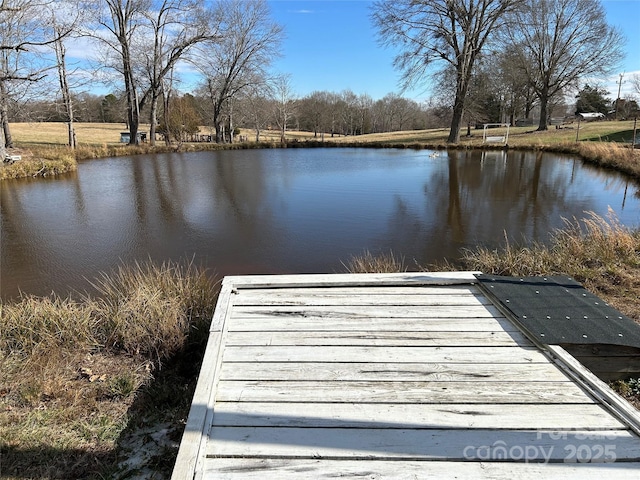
x=331, y=45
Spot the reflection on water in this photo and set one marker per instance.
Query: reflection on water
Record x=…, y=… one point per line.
x=292, y=210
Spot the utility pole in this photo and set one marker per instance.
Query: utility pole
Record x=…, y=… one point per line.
x=618, y=99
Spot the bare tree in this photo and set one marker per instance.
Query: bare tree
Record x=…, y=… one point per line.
x=559, y=42
x=348, y=112
x=433, y=31
x=314, y=112
x=174, y=27
x=635, y=80
x=65, y=91
x=520, y=97
x=64, y=17
x=254, y=108
x=23, y=28
x=397, y=111
x=365, y=104
x=248, y=41
x=285, y=104
x=121, y=19
x=182, y=120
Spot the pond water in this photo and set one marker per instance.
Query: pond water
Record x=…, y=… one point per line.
x=289, y=210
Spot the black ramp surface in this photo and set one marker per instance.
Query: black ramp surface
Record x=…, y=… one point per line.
x=558, y=310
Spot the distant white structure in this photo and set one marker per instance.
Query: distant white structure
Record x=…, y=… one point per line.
x=12, y=158
x=501, y=137
x=587, y=116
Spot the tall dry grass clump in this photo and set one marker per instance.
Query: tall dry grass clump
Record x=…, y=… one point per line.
x=510, y=259
x=39, y=167
x=367, y=262
x=150, y=309
x=597, y=243
x=39, y=325
x=72, y=370
x=584, y=248
x=145, y=309
x=611, y=155
x=599, y=252
x=87, y=152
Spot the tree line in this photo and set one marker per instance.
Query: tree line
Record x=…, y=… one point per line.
x=485, y=60
x=321, y=112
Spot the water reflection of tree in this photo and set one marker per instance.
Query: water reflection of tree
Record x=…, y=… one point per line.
x=480, y=196
x=222, y=185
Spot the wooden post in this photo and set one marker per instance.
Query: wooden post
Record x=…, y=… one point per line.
x=635, y=130
x=578, y=130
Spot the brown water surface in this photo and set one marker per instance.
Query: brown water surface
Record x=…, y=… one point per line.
x=288, y=210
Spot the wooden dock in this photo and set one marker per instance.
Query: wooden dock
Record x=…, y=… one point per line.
x=412, y=375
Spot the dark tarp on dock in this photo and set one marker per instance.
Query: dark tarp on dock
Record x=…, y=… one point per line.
x=558, y=310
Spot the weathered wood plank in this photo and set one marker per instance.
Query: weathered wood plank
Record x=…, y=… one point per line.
x=319, y=324
x=188, y=453
x=553, y=417
x=191, y=451
x=449, y=372
x=310, y=353
x=401, y=392
x=371, y=369
x=303, y=469
x=286, y=298
x=371, y=290
x=411, y=444
x=352, y=279
x=366, y=312
x=380, y=338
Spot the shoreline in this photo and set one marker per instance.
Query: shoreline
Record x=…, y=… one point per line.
x=605, y=145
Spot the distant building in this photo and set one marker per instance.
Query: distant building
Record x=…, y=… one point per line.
x=590, y=116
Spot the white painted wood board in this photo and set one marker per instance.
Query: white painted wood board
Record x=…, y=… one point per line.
x=419, y=444
x=311, y=469
x=384, y=375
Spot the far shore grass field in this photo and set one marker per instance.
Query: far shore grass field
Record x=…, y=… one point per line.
x=108, y=134
x=100, y=386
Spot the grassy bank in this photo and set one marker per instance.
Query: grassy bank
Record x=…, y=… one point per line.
x=604, y=143
x=77, y=374
x=39, y=162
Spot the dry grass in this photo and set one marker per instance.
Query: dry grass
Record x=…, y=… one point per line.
x=370, y=263
x=519, y=137
x=611, y=155
x=50, y=133
x=35, y=326
x=107, y=134
x=38, y=163
x=72, y=371
x=151, y=309
x=598, y=252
